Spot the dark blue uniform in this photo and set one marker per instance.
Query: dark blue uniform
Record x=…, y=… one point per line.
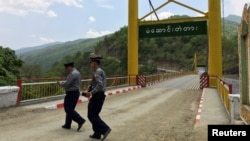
x=71, y=86
x=98, y=87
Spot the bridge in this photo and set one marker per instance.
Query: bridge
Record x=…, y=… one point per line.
x=166, y=70
x=165, y=102
x=166, y=105
x=160, y=28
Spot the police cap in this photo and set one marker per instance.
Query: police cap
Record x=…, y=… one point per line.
x=94, y=57
x=70, y=64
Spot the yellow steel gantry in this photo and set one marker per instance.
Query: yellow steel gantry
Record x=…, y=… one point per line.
x=214, y=40
x=213, y=16
x=133, y=38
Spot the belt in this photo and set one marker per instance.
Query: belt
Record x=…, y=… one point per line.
x=99, y=92
x=72, y=91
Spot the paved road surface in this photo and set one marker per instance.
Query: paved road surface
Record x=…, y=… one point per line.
x=162, y=112
x=235, y=85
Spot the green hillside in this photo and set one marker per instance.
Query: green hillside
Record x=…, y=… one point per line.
x=233, y=18
x=175, y=53
x=166, y=52
x=47, y=56
x=229, y=28
x=24, y=50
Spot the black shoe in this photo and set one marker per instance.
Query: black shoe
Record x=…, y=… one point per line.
x=106, y=134
x=65, y=127
x=95, y=136
x=80, y=125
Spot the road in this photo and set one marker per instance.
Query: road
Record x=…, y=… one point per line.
x=162, y=112
x=235, y=84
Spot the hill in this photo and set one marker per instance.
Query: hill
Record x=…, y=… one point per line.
x=174, y=52
x=230, y=25
x=233, y=18
x=24, y=50
x=46, y=55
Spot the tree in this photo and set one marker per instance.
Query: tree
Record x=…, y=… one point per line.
x=9, y=67
x=31, y=71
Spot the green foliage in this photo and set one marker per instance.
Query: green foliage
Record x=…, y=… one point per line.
x=230, y=55
x=9, y=67
x=233, y=18
x=176, y=53
x=114, y=50
x=169, y=51
x=37, y=91
x=166, y=52
x=148, y=68
x=230, y=29
x=80, y=59
x=112, y=66
x=48, y=56
x=30, y=71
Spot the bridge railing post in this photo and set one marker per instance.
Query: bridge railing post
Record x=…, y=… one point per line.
x=19, y=95
x=141, y=80
x=204, y=80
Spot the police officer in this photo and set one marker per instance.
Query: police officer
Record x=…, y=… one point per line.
x=96, y=93
x=71, y=86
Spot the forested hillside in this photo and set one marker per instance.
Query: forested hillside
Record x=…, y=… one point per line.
x=46, y=56
x=176, y=53
x=25, y=50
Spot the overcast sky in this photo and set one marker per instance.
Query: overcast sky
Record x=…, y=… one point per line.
x=27, y=23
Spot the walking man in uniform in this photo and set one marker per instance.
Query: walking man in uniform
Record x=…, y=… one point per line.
x=71, y=86
x=97, y=96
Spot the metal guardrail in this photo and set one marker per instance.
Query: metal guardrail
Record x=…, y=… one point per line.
x=224, y=90
x=47, y=88
x=44, y=88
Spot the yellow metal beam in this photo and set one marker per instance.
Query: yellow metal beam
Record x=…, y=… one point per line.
x=133, y=38
x=189, y=7
x=215, y=45
x=214, y=26
x=174, y=20
x=174, y=1
x=154, y=10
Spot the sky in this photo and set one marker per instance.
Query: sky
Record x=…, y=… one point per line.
x=28, y=23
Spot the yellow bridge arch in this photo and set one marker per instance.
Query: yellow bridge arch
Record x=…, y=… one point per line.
x=213, y=17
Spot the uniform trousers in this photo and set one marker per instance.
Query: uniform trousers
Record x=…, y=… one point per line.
x=70, y=102
x=94, y=108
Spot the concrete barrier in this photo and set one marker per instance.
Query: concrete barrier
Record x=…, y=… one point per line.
x=8, y=96
x=234, y=107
